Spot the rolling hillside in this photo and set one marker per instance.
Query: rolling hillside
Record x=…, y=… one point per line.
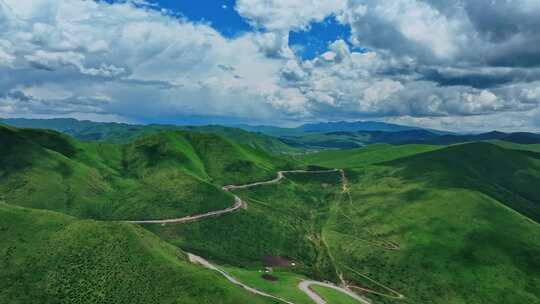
x=328, y=127
x=361, y=157
x=509, y=176
x=47, y=257
x=282, y=219
x=453, y=225
x=348, y=139
x=408, y=224
x=412, y=222
x=277, y=140
x=165, y=175
x=125, y=133
x=514, y=146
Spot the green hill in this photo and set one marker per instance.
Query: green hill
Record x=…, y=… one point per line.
x=205, y=155
x=510, y=176
x=283, y=219
x=424, y=225
x=359, y=157
x=124, y=133
x=165, y=175
x=253, y=139
x=437, y=227
x=436, y=224
x=47, y=257
x=514, y=146
x=417, y=221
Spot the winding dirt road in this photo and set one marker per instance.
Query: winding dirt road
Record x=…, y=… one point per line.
x=201, y=261
x=280, y=176
x=238, y=203
x=304, y=286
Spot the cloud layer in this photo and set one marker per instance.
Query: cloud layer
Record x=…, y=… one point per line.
x=128, y=61
x=462, y=65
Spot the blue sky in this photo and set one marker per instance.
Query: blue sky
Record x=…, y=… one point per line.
x=315, y=40
x=223, y=17
x=442, y=65
x=219, y=13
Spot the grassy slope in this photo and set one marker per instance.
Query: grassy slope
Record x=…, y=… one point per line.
x=35, y=176
x=514, y=146
x=333, y=296
x=363, y=156
x=228, y=162
x=341, y=140
x=252, y=139
x=457, y=243
x=285, y=287
x=512, y=177
x=446, y=209
x=282, y=219
x=48, y=257
x=165, y=175
x=125, y=133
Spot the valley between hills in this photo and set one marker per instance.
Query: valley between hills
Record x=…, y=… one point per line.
x=189, y=216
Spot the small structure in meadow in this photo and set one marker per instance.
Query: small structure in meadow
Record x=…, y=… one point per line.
x=269, y=277
x=271, y=261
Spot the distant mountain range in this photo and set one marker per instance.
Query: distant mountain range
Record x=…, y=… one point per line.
x=315, y=136
x=354, y=126
x=339, y=126
x=110, y=132
x=348, y=140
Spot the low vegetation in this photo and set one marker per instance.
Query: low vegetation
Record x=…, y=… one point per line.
x=360, y=157
x=333, y=296
x=167, y=175
x=420, y=227
x=48, y=257
x=119, y=133
x=282, y=219
x=412, y=224
x=285, y=286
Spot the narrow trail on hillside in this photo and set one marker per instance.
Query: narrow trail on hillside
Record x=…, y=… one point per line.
x=238, y=204
x=393, y=294
x=304, y=286
x=385, y=245
x=201, y=261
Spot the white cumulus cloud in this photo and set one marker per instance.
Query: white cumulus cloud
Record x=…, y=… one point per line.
x=422, y=61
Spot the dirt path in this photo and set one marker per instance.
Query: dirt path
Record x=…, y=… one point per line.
x=201, y=261
x=393, y=294
x=279, y=177
x=304, y=286
x=239, y=203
